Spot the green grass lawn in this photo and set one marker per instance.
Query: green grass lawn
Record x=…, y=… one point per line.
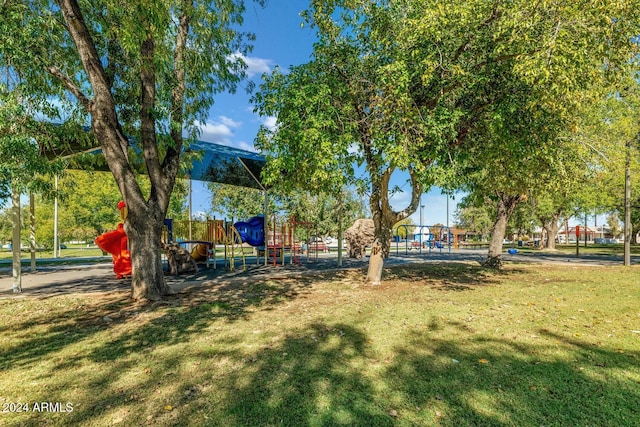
x=434, y=345
x=72, y=251
x=616, y=250
x=82, y=251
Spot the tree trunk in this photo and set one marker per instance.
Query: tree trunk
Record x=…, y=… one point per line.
x=506, y=206
x=146, y=217
x=384, y=217
x=551, y=226
x=376, y=262
x=144, y=233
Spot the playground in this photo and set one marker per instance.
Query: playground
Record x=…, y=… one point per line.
x=438, y=343
x=96, y=275
x=304, y=339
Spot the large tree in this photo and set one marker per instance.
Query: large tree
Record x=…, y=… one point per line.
x=144, y=73
x=476, y=218
x=235, y=202
x=401, y=85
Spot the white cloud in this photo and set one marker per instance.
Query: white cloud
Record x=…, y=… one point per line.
x=229, y=122
x=270, y=122
x=255, y=66
x=243, y=145
x=220, y=131
x=400, y=200
x=214, y=132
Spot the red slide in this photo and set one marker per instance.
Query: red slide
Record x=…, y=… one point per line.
x=115, y=243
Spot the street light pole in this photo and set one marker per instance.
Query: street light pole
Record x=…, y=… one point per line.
x=447, y=211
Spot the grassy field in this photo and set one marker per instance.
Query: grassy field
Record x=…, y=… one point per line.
x=616, y=250
x=82, y=251
x=72, y=251
x=434, y=345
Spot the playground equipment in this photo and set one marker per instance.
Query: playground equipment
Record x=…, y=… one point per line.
x=282, y=241
x=218, y=233
x=115, y=242
x=436, y=237
x=252, y=230
x=215, y=233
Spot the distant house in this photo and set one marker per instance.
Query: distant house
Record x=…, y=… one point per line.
x=565, y=235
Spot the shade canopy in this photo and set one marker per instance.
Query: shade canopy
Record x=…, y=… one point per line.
x=204, y=161
x=226, y=165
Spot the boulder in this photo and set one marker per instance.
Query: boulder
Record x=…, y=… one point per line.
x=179, y=259
x=359, y=236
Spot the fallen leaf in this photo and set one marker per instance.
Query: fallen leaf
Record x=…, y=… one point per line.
x=483, y=361
x=168, y=408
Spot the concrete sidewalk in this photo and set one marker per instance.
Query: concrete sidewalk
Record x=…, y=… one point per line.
x=65, y=279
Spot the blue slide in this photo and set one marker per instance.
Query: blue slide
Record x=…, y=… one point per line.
x=252, y=230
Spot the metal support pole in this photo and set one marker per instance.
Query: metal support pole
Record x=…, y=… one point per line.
x=266, y=228
x=56, y=245
x=448, y=242
x=32, y=231
x=15, y=242
x=190, y=211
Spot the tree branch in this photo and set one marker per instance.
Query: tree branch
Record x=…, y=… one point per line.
x=70, y=85
x=84, y=43
x=170, y=163
x=147, y=106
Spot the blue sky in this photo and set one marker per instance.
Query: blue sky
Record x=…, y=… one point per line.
x=281, y=41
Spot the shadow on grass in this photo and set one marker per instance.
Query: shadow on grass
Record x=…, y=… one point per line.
x=180, y=317
x=328, y=374
x=324, y=373
x=311, y=378
x=504, y=383
x=450, y=276
x=55, y=328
